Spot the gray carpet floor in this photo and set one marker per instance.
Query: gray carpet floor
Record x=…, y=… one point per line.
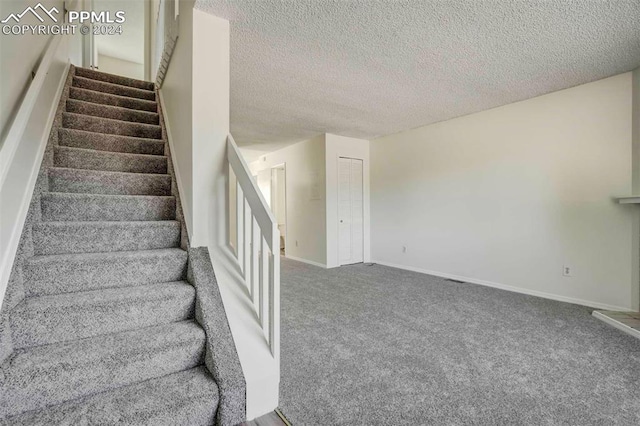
x=373, y=345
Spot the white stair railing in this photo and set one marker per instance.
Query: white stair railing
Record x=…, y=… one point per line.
x=257, y=244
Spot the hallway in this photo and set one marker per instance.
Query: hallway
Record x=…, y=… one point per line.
x=377, y=345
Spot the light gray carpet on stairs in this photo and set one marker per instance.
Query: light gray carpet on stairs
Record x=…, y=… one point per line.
x=107, y=318
x=373, y=345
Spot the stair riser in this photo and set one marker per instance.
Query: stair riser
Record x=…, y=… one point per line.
x=60, y=238
x=108, y=161
x=56, y=276
x=115, y=79
x=112, y=100
x=95, y=182
x=41, y=325
x=110, y=143
x=115, y=113
x=53, y=382
x=113, y=89
x=100, y=208
x=114, y=127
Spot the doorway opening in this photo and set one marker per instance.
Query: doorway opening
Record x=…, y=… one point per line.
x=279, y=202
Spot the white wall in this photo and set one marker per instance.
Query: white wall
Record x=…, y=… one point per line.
x=176, y=95
x=306, y=214
x=117, y=53
x=211, y=100
x=20, y=56
x=195, y=94
x=121, y=67
x=23, y=153
x=635, y=254
x=336, y=147
x=508, y=196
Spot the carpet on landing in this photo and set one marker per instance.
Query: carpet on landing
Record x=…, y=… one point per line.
x=373, y=345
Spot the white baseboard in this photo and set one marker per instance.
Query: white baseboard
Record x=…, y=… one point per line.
x=544, y=295
x=617, y=324
x=310, y=262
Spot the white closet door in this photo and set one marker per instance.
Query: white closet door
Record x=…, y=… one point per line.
x=344, y=210
x=357, y=213
x=350, y=211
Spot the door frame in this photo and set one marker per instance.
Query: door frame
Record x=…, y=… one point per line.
x=286, y=217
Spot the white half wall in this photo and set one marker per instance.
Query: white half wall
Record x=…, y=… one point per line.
x=509, y=196
x=306, y=197
x=336, y=147
x=210, y=113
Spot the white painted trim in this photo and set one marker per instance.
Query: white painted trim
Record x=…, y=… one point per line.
x=19, y=124
x=617, y=324
x=310, y=262
x=6, y=263
x=575, y=301
x=632, y=199
x=252, y=194
x=174, y=161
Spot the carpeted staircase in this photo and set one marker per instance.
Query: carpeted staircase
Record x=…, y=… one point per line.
x=105, y=332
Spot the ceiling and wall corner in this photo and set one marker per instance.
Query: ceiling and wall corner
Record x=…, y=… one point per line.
x=366, y=68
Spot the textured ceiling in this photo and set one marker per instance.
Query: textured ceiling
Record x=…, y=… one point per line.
x=365, y=68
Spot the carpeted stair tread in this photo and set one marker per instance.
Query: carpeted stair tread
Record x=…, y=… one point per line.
x=91, y=159
x=55, y=373
x=186, y=398
x=114, y=112
x=111, y=99
x=62, y=206
x=112, y=143
x=101, y=182
x=86, y=237
x=115, y=79
x=114, y=89
x=64, y=317
x=110, y=126
x=66, y=273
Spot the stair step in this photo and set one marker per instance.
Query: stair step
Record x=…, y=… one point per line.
x=64, y=317
x=113, y=89
x=92, y=237
x=110, y=99
x=112, y=143
x=110, y=126
x=67, y=273
x=115, y=79
x=80, y=158
x=186, y=398
x=114, y=112
x=62, y=206
x=101, y=182
x=52, y=374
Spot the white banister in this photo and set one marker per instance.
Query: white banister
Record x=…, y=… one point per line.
x=257, y=247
